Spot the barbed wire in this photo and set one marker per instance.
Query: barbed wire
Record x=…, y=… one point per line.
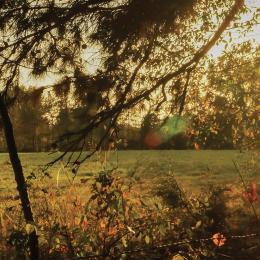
x=173, y=244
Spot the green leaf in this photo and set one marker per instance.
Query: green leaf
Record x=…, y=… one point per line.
x=140, y=237
x=143, y=204
x=178, y=257
x=162, y=230
x=147, y=239
x=44, y=191
x=130, y=229
x=99, y=186
x=124, y=242
x=198, y=224
x=29, y=228
x=123, y=256
x=158, y=205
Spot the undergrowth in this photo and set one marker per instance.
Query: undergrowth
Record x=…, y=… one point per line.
x=108, y=217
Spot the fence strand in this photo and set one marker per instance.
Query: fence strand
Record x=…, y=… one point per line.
x=173, y=244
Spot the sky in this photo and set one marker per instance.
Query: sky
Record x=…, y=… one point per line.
x=216, y=51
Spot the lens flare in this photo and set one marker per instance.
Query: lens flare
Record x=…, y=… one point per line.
x=173, y=126
x=196, y=146
x=152, y=140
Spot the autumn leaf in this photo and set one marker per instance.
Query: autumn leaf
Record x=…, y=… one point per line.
x=112, y=231
x=126, y=194
x=77, y=221
x=102, y=224
x=218, y=239
x=84, y=224
x=178, y=257
x=147, y=239
x=251, y=195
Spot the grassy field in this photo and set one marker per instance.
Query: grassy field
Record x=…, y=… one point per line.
x=191, y=168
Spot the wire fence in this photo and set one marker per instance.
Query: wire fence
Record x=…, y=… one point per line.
x=217, y=239
x=173, y=244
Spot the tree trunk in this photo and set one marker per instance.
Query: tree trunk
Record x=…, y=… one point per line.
x=19, y=177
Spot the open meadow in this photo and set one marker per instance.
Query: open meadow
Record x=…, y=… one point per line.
x=193, y=169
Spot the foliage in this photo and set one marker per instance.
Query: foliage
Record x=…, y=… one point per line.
x=52, y=37
x=108, y=216
x=138, y=60
x=226, y=115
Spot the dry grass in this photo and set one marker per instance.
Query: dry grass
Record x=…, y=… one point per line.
x=63, y=203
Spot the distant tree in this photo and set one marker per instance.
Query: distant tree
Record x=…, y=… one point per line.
x=226, y=115
x=216, y=131
x=28, y=122
x=63, y=122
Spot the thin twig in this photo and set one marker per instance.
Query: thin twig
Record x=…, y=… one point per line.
x=245, y=187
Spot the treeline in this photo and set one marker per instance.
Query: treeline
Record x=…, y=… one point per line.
x=220, y=112
x=36, y=131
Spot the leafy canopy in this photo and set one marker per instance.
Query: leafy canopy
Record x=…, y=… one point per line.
x=144, y=47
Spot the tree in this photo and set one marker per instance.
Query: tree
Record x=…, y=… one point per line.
x=140, y=57
x=19, y=176
x=146, y=46
x=227, y=113
x=28, y=122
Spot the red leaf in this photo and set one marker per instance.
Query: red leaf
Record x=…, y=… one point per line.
x=251, y=195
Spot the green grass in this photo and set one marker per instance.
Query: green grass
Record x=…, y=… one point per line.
x=192, y=168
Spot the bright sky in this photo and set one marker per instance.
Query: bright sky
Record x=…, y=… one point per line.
x=216, y=51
